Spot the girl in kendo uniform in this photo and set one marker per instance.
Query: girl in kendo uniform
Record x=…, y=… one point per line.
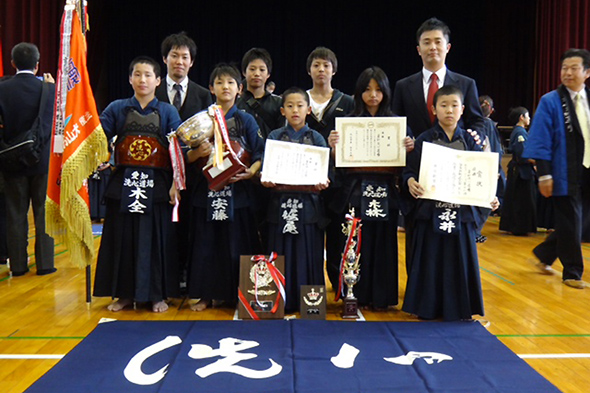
x=374, y=196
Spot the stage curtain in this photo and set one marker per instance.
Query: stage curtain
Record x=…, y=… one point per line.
x=561, y=24
x=35, y=21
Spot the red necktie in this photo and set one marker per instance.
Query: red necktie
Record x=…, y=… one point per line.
x=432, y=88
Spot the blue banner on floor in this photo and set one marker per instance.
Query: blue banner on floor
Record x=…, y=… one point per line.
x=291, y=356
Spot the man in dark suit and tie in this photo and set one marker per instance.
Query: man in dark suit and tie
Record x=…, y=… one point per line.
x=19, y=107
x=412, y=95
x=178, y=52
x=559, y=142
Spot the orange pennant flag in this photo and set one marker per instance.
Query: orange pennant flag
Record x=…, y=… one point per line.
x=79, y=146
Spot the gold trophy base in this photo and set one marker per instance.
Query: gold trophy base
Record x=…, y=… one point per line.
x=350, y=308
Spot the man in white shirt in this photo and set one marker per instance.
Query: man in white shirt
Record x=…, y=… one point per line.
x=178, y=53
x=411, y=94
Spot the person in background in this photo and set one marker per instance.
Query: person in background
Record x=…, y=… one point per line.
x=188, y=97
x=491, y=143
x=519, y=215
x=327, y=103
x=178, y=53
x=559, y=142
x=256, y=100
x=27, y=186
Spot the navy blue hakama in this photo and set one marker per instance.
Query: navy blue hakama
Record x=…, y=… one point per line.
x=444, y=279
x=214, y=269
x=137, y=257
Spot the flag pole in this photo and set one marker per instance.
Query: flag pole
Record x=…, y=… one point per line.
x=88, y=281
x=79, y=145
x=84, y=24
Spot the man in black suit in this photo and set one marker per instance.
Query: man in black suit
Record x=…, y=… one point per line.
x=410, y=97
x=19, y=107
x=178, y=52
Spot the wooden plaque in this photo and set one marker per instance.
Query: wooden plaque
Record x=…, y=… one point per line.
x=313, y=302
x=268, y=292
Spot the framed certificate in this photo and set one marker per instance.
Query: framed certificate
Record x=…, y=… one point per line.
x=295, y=163
x=456, y=176
x=370, y=141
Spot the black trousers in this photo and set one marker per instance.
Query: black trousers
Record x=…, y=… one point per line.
x=3, y=249
x=20, y=192
x=565, y=242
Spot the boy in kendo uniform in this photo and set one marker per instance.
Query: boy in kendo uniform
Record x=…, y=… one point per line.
x=223, y=224
x=295, y=214
x=136, y=260
x=443, y=280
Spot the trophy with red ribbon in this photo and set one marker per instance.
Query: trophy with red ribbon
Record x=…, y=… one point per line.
x=349, y=266
x=228, y=157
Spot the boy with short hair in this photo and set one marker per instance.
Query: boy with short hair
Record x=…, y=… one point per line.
x=256, y=100
x=136, y=261
x=266, y=109
x=301, y=242
x=443, y=281
x=223, y=224
x=326, y=104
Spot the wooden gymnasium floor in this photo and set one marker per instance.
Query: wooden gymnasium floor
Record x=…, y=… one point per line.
x=533, y=314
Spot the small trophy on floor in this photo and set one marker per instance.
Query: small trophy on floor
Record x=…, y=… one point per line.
x=350, y=268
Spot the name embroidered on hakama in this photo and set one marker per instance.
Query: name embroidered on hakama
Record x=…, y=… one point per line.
x=290, y=210
x=137, y=191
x=447, y=217
x=220, y=207
x=374, y=201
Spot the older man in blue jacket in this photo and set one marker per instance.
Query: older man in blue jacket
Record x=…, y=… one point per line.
x=559, y=141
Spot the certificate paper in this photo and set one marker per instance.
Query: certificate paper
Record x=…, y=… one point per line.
x=295, y=163
x=456, y=176
x=371, y=141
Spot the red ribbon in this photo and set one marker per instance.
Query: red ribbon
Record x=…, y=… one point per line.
x=177, y=161
x=277, y=277
x=247, y=306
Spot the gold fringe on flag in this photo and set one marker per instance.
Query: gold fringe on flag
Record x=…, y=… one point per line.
x=78, y=147
x=69, y=222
